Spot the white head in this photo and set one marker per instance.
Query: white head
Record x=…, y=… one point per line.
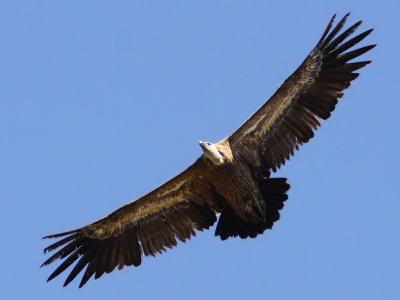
x=211, y=152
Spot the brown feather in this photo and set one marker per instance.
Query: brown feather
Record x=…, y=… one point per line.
x=334, y=31
x=311, y=92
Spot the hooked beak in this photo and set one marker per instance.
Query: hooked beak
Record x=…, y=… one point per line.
x=201, y=143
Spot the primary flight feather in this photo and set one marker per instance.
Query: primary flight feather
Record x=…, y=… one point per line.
x=231, y=177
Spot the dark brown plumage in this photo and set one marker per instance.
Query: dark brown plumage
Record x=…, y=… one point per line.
x=232, y=177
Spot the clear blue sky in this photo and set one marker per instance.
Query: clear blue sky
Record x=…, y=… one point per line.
x=102, y=101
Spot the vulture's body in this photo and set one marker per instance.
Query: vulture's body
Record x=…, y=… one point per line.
x=231, y=178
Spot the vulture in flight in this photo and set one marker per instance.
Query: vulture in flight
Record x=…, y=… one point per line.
x=230, y=179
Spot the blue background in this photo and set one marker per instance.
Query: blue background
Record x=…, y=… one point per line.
x=102, y=101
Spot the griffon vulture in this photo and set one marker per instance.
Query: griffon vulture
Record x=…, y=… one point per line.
x=231, y=178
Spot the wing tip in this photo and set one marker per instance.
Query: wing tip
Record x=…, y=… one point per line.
x=51, y=277
x=66, y=282
x=329, y=34
x=52, y=236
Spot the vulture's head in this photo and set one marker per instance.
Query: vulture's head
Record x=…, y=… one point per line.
x=211, y=152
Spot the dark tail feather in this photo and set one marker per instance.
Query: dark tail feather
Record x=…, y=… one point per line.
x=273, y=191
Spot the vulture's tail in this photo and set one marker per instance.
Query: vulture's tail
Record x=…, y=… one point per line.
x=274, y=194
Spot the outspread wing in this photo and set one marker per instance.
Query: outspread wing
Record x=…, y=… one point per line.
x=145, y=226
x=289, y=117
